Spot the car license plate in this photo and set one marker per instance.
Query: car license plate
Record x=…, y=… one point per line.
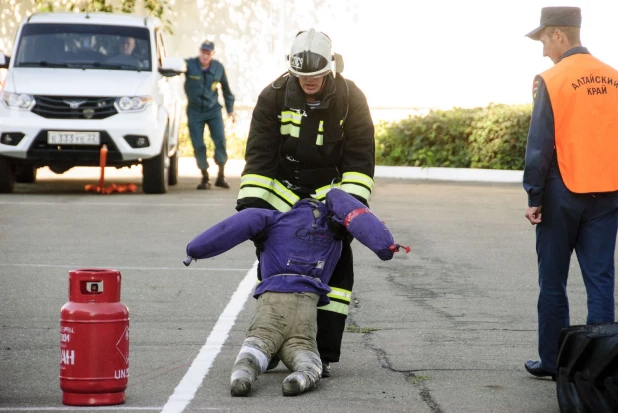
x=73, y=138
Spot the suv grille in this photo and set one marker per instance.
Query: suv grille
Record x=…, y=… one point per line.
x=59, y=107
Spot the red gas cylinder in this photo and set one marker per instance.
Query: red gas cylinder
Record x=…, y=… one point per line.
x=94, y=340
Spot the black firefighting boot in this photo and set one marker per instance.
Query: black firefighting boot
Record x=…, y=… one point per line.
x=326, y=369
x=204, y=184
x=220, y=182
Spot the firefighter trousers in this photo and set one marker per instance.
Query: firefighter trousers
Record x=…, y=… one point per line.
x=331, y=317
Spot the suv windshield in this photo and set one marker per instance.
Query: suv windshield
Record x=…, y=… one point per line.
x=84, y=46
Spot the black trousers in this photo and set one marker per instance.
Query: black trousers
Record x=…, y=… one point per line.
x=331, y=318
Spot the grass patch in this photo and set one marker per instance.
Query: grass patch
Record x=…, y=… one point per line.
x=362, y=330
x=416, y=380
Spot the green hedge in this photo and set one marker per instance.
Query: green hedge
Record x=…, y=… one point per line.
x=493, y=137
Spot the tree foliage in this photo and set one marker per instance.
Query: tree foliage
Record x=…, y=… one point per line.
x=156, y=8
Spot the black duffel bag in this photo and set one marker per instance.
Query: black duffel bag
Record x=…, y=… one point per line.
x=587, y=373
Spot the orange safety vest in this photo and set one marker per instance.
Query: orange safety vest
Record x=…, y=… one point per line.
x=584, y=97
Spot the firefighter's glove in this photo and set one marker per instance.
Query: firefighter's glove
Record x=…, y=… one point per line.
x=340, y=232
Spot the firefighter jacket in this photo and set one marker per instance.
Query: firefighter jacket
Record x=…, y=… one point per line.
x=573, y=125
x=201, y=87
x=301, y=246
x=296, y=151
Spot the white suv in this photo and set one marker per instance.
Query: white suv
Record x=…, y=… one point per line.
x=78, y=81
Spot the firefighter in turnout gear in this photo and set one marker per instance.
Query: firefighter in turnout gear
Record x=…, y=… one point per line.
x=311, y=129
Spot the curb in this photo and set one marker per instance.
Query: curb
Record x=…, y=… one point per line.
x=234, y=167
x=449, y=174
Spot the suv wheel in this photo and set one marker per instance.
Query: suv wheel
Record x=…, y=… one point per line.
x=7, y=176
x=155, y=172
x=172, y=178
x=26, y=174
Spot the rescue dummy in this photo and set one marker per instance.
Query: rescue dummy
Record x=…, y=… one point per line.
x=300, y=250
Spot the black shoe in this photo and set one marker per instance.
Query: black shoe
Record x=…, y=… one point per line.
x=204, y=184
x=326, y=369
x=274, y=362
x=534, y=367
x=220, y=182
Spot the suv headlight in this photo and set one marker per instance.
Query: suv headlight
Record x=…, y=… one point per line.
x=132, y=103
x=18, y=100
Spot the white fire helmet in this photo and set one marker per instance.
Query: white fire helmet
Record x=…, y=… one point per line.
x=311, y=54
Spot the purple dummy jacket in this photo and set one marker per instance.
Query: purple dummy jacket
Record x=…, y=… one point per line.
x=301, y=247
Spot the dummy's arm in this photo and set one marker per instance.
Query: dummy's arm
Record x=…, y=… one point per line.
x=362, y=224
x=229, y=233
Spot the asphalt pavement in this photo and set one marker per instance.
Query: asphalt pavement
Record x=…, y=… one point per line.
x=445, y=328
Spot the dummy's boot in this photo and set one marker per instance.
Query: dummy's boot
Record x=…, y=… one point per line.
x=297, y=383
x=249, y=364
x=220, y=182
x=204, y=184
x=241, y=382
x=307, y=372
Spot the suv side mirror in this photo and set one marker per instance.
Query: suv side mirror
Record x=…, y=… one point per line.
x=173, y=66
x=4, y=61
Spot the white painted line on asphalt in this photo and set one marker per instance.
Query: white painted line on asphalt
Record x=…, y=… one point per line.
x=106, y=204
x=76, y=409
x=123, y=268
x=97, y=408
x=192, y=380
